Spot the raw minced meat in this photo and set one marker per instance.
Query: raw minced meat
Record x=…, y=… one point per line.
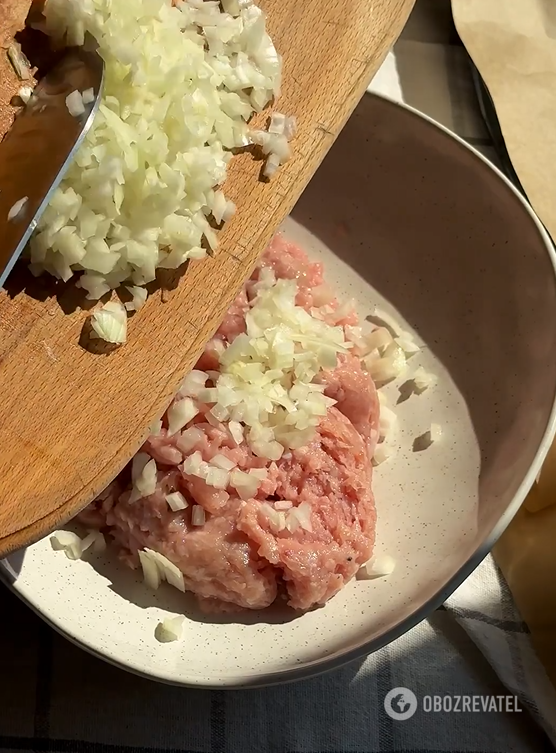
x=237, y=558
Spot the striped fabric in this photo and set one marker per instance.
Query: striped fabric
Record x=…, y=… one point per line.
x=55, y=697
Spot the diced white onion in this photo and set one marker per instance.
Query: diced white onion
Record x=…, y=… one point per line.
x=74, y=103
x=245, y=484
x=221, y=461
x=193, y=383
x=142, y=185
x=151, y=572
x=94, y=540
x=166, y=569
x=386, y=320
x=180, y=413
x=189, y=438
x=236, y=430
x=198, y=515
x=283, y=504
x=25, y=94
x=423, y=380
x=217, y=477
x=383, y=452
x=176, y=501
x=18, y=209
x=110, y=322
x=388, y=422
x=408, y=344
x=145, y=485
x=67, y=542
x=88, y=96
x=377, y=567
x=169, y=630
x=139, y=298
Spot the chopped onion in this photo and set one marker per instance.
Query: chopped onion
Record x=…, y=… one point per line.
x=423, y=380
x=390, y=366
x=236, y=430
x=383, y=452
x=377, y=567
x=198, y=515
x=193, y=383
x=245, y=484
x=379, y=338
x=138, y=464
x=18, y=209
x=148, y=174
x=283, y=504
x=221, y=461
x=189, y=438
x=74, y=103
x=19, y=62
x=385, y=320
x=67, y=542
x=155, y=428
x=302, y=516
x=88, y=96
x=166, y=569
x=139, y=298
x=169, y=630
x=151, y=572
x=192, y=464
x=176, y=501
x=145, y=485
x=94, y=540
x=110, y=322
x=25, y=94
x=180, y=413
x=217, y=477
x=388, y=422
x=408, y=344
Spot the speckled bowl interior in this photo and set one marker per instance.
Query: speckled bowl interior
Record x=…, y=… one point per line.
x=407, y=217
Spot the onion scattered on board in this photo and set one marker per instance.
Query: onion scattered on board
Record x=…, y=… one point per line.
x=142, y=185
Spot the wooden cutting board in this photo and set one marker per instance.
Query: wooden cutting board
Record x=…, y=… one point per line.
x=71, y=419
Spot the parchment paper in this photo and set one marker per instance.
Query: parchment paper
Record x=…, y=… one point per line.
x=513, y=45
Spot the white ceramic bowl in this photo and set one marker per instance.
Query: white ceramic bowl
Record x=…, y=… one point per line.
x=408, y=217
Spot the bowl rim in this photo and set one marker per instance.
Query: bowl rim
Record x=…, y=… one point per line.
x=327, y=664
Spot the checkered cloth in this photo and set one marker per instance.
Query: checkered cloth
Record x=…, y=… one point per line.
x=55, y=697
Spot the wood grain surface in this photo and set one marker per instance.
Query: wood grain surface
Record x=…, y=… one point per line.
x=71, y=419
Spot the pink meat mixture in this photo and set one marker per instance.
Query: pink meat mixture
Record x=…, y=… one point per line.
x=235, y=560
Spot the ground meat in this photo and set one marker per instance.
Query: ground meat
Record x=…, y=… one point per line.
x=236, y=560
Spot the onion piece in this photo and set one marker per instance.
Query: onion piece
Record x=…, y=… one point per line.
x=88, y=96
x=198, y=515
x=25, y=94
x=221, y=461
x=383, y=452
x=151, y=572
x=110, y=322
x=180, y=413
x=377, y=567
x=166, y=569
x=176, y=501
x=74, y=103
x=169, y=630
x=19, y=62
x=18, y=209
x=423, y=380
x=67, y=542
